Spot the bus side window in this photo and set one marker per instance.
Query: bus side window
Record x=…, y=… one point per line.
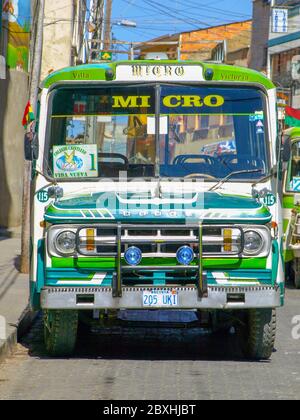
x=296, y=159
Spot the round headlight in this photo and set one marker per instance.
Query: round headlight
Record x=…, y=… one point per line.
x=133, y=256
x=185, y=255
x=253, y=242
x=66, y=242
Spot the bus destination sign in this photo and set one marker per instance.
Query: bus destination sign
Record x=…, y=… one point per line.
x=159, y=72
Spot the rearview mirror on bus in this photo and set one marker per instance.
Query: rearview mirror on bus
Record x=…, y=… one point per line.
x=31, y=146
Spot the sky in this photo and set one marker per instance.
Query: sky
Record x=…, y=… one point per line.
x=155, y=18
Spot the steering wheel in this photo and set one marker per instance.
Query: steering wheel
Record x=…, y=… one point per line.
x=180, y=160
x=213, y=178
x=244, y=158
x=114, y=156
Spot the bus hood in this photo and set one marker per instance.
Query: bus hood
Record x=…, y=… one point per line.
x=111, y=207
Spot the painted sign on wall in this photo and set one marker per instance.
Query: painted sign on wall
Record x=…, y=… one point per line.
x=17, y=21
x=280, y=21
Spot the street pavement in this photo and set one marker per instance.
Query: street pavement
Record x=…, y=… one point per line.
x=14, y=292
x=157, y=365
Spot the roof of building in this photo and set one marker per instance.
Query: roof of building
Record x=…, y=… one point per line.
x=204, y=40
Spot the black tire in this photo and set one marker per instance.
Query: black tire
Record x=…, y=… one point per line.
x=60, y=332
x=258, y=334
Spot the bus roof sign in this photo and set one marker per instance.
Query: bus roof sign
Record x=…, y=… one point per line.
x=161, y=72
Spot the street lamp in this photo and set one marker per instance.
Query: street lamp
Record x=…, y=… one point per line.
x=127, y=23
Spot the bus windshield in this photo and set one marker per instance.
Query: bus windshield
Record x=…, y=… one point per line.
x=205, y=131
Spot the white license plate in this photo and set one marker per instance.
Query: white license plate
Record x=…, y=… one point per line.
x=160, y=299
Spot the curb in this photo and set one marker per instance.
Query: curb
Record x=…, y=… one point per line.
x=8, y=346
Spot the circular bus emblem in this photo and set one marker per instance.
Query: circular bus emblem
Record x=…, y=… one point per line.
x=69, y=162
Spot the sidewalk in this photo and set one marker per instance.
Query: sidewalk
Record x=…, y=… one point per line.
x=14, y=291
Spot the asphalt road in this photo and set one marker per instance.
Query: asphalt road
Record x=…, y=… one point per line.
x=152, y=364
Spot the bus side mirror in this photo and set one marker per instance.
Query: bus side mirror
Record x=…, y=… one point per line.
x=286, y=150
x=31, y=146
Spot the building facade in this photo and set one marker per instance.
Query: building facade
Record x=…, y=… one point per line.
x=65, y=26
x=228, y=44
x=14, y=79
x=284, y=48
x=224, y=43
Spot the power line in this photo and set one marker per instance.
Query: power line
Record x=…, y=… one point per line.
x=197, y=6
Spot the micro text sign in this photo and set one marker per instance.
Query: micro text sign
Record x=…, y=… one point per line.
x=158, y=72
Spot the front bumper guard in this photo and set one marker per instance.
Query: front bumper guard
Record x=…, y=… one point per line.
x=201, y=282
x=117, y=286
x=223, y=298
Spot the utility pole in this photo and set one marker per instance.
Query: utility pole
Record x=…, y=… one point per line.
x=107, y=26
x=260, y=35
x=97, y=24
x=37, y=39
x=106, y=46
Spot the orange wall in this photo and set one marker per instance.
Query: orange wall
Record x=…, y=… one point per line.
x=240, y=31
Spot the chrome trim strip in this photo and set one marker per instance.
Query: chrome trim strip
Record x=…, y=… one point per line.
x=159, y=239
x=51, y=232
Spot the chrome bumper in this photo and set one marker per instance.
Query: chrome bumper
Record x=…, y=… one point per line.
x=132, y=298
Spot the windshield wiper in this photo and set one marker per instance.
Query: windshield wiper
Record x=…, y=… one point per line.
x=266, y=178
x=222, y=181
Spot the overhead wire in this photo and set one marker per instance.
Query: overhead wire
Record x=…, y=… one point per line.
x=185, y=19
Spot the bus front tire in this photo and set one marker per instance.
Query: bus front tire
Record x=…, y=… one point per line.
x=60, y=332
x=258, y=333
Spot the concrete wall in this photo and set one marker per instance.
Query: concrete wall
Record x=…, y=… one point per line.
x=13, y=99
x=58, y=35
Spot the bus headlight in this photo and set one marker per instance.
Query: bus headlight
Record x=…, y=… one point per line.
x=254, y=243
x=65, y=243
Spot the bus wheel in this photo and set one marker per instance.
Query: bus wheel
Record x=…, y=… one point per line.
x=60, y=332
x=258, y=334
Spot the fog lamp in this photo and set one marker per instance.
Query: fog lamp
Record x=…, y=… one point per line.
x=185, y=255
x=133, y=256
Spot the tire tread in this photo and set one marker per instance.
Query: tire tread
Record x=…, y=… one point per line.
x=61, y=340
x=261, y=334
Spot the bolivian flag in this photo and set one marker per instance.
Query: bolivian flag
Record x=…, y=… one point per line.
x=29, y=116
x=292, y=117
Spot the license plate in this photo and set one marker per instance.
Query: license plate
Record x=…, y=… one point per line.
x=160, y=299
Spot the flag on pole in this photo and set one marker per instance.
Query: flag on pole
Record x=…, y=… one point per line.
x=29, y=116
x=292, y=117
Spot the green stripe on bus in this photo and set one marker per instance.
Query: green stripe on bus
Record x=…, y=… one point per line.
x=106, y=263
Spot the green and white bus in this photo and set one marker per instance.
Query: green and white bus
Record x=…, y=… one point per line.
x=291, y=206
x=157, y=186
